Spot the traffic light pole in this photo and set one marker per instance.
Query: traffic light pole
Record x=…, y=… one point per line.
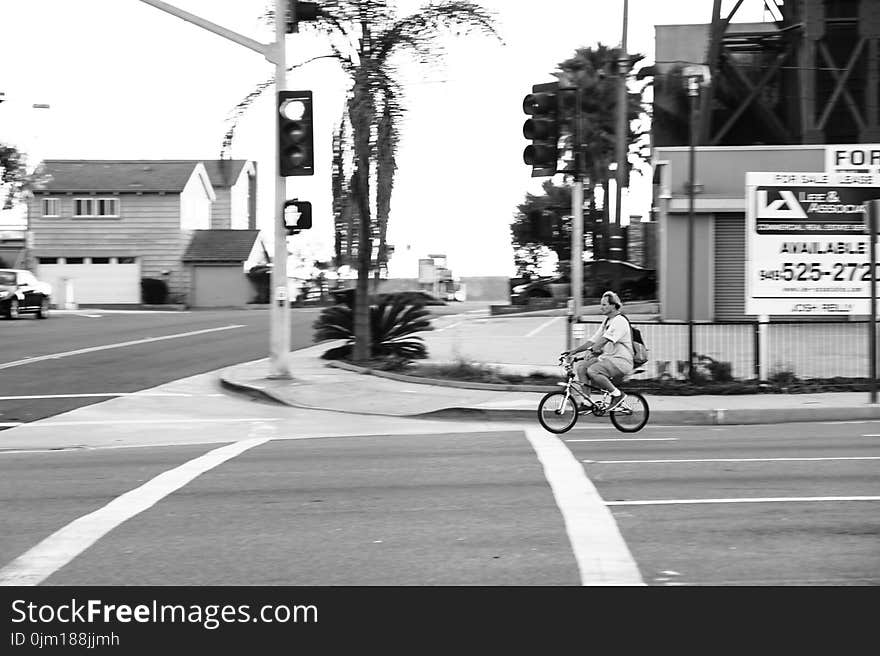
x=279, y=316
x=279, y=312
x=577, y=213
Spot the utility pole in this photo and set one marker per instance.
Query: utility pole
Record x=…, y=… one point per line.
x=279, y=314
x=577, y=211
x=693, y=95
x=622, y=70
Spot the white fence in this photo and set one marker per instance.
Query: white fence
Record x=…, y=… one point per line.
x=806, y=349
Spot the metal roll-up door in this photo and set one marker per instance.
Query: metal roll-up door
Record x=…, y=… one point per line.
x=730, y=254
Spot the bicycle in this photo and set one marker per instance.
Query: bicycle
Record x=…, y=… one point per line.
x=559, y=410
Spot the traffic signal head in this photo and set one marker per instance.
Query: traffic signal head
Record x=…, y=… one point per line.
x=296, y=152
x=298, y=12
x=297, y=216
x=542, y=129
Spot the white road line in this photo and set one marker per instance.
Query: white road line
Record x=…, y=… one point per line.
x=645, y=462
x=626, y=439
x=115, y=422
x=670, y=502
x=57, y=550
x=91, y=349
x=599, y=549
x=98, y=394
x=542, y=326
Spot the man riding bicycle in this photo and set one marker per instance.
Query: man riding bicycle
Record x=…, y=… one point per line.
x=610, y=351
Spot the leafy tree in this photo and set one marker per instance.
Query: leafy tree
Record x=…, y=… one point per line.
x=374, y=108
x=544, y=220
x=18, y=183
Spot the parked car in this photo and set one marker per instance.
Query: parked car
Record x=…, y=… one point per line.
x=635, y=283
x=21, y=292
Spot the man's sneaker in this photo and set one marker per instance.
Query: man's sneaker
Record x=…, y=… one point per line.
x=616, y=402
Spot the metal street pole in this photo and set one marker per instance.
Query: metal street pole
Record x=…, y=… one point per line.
x=279, y=312
x=623, y=70
x=577, y=213
x=693, y=92
x=873, y=208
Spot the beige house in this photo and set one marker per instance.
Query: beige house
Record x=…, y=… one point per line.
x=99, y=226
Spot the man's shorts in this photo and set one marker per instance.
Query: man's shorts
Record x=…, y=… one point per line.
x=592, y=365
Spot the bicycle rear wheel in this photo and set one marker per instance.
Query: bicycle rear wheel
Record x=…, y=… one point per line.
x=556, y=413
x=632, y=415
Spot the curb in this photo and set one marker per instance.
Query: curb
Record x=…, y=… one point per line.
x=716, y=417
x=712, y=417
x=437, y=382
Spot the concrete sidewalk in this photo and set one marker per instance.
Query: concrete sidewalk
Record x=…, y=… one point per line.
x=315, y=385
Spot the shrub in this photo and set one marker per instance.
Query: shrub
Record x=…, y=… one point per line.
x=783, y=377
x=393, y=324
x=154, y=291
x=719, y=372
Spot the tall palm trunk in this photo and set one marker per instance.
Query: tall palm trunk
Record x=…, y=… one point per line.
x=386, y=144
x=362, y=112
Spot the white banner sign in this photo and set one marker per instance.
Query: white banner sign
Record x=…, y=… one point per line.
x=806, y=243
x=853, y=158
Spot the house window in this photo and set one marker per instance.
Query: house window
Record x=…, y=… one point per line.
x=74, y=260
x=48, y=260
x=100, y=260
x=50, y=207
x=125, y=260
x=95, y=207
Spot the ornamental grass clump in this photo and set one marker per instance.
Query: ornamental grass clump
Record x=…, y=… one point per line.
x=394, y=322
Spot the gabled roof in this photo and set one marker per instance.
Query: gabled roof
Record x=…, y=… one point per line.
x=220, y=245
x=144, y=175
x=223, y=172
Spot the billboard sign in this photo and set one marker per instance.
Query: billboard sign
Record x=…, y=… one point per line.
x=806, y=243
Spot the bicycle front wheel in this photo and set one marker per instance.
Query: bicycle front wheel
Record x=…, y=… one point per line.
x=632, y=415
x=556, y=413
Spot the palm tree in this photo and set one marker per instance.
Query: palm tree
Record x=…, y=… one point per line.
x=374, y=108
x=595, y=71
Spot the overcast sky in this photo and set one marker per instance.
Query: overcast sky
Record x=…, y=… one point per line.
x=125, y=80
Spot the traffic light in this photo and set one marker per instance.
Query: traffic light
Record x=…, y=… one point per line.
x=298, y=12
x=296, y=152
x=297, y=216
x=542, y=129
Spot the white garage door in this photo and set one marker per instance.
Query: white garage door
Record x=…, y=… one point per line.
x=95, y=279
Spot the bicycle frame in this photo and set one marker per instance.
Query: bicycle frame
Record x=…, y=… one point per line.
x=572, y=384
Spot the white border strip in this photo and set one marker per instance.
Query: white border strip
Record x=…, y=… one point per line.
x=57, y=550
x=669, y=502
x=599, y=549
x=652, y=462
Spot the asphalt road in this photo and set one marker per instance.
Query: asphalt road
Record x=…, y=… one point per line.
x=187, y=484
x=203, y=490
x=44, y=365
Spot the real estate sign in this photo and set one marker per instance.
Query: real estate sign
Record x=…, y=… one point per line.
x=806, y=243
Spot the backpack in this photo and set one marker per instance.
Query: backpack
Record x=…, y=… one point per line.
x=640, y=351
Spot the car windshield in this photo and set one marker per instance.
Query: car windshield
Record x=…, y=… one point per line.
x=7, y=278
